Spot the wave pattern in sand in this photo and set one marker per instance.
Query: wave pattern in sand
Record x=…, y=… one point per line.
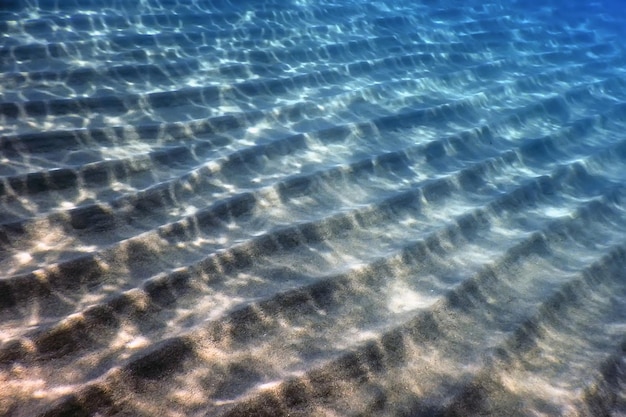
x=272, y=208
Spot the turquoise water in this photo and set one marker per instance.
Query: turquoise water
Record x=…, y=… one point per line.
x=268, y=208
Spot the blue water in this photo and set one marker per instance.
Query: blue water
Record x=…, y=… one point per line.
x=272, y=208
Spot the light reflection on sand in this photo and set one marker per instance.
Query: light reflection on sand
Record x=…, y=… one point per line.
x=311, y=208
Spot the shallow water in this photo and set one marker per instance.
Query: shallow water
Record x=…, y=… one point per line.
x=312, y=208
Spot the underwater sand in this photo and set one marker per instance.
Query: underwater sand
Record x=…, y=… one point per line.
x=268, y=208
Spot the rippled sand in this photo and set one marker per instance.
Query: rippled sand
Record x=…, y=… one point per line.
x=273, y=208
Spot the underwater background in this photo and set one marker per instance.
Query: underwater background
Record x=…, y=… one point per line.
x=312, y=208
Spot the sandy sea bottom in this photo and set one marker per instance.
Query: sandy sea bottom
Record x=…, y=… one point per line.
x=312, y=208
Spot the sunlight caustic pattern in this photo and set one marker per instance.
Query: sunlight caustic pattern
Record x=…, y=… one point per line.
x=273, y=208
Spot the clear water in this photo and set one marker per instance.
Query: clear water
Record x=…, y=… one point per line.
x=312, y=208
